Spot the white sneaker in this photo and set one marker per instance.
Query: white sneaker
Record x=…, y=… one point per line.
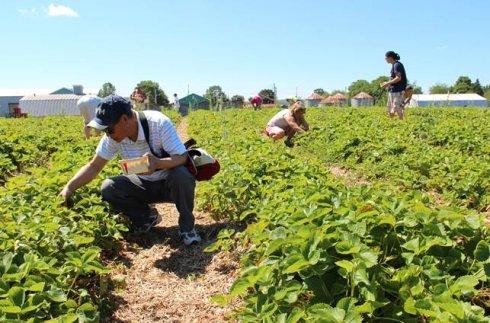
x=190, y=237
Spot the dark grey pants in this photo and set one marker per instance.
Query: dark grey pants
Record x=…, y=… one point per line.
x=132, y=195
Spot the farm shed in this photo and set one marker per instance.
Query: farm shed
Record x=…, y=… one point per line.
x=193, y=101
x=314, y=100
x=337, y=99
x=448, y=100
x=50, y=105
x=362, y=99
x=9, y=99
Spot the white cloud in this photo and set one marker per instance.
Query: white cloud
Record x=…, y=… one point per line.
x=27, y=11
x=61, y=11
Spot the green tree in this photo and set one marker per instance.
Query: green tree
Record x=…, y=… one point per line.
x=359, y=86
x=439, y=88
x=215, y=95
x=156, y=96
x=380, y=95
x=477, y=88
x=463, y=85
x=237, y=101
x=106, y=90
x=417, y=89
x=267, y=96
x=486, y=94
x=320, y=91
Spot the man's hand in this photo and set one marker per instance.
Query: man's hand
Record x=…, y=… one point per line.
x=153, y=161
x=66, y=195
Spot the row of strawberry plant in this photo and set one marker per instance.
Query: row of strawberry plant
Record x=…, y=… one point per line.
x=29, y=142
x=318, y=250
x=441, y=150
x=50, y=255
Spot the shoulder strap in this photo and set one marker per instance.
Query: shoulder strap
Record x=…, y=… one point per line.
x=146, y=130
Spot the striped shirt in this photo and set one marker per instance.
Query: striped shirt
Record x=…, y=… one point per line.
x=162, y=136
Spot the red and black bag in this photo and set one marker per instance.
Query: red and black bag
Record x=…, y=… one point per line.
x=199, y=162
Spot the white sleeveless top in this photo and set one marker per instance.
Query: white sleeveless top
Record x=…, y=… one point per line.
x=279, y=119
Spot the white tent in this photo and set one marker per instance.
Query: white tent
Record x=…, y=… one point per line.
x=50, y=105
x=448, y=100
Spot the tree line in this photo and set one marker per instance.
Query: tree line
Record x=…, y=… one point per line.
x=217, y=97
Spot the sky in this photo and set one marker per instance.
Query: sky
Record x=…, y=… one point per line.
x=243, y=46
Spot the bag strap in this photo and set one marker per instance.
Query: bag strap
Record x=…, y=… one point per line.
x=146, y=130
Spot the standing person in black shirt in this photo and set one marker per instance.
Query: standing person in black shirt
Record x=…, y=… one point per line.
x=396, y=86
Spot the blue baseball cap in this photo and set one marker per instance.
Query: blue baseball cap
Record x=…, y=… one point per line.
x=109, y=111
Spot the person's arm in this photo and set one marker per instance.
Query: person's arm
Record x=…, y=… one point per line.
x=84, y=176
x=165, y=163
x=292, y=123
x=304, y=124
x=397, y=79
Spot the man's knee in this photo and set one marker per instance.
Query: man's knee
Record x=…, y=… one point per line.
x=107, y=189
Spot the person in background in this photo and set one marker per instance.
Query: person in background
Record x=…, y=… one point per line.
x=407, y=95
x=167, y=180
x=87, y=105
x=396, y=85
x=256, y=102
x=287, y=123
x=176, y=103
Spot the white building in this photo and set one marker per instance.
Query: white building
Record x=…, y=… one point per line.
x=448, y=100
x=50, y=105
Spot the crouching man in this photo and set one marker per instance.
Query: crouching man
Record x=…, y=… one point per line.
x=167, y=180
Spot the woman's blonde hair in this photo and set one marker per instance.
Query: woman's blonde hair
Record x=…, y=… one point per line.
x=296, y=107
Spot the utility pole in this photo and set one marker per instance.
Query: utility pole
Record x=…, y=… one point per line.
x=275, y=92
x=187, y=88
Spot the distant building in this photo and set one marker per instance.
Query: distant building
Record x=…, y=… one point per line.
x=338, y=99
x=448, y=100
x=362, y=99
x=314, y=100
x=9, y=99
x=50, y=105
x=193, y=101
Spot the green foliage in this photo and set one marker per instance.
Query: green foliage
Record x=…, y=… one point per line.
x=320, y=91
x=267, y=96
x=155, y=95
x=237, y=101
x=463, y=85
x=318, y=250
x=440, y=89
x=106, y=90
x=359, y=86
x=216, y=97
x=50, y=255
x=380, y=95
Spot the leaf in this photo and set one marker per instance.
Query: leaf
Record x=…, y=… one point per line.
x=295, y=263
x=347, y=247
x=482, y=251
x=409, y=306
x=81, y=240
x=87, y=313
x=464, y=285
x=325, y=313
x=56, y=295
x=17, y=295
x=347, y=265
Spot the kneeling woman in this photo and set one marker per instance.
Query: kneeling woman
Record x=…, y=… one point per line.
x=288, y=122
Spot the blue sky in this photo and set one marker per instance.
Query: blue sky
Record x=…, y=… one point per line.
x=243, y=46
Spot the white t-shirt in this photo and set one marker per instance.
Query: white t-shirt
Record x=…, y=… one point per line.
x=162, y=135
x=176, y=103
x=87, y=105
x=279, y=119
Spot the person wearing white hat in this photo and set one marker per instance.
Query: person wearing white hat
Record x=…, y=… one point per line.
x=87, y=105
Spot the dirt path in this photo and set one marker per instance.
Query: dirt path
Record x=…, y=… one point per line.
x=161, y=280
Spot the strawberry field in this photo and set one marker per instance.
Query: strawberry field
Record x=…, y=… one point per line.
x=408, y=243
x=320, y=250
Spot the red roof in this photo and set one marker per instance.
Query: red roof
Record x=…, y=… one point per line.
x=315, y=96
x=363, y=95
x=340, y=96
